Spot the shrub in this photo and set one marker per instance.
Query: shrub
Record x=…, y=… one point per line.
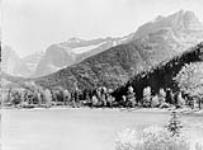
x=128, y=140
x=152, y=138
x=156, y=138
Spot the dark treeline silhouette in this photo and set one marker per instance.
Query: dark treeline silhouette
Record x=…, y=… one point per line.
x=161, y=76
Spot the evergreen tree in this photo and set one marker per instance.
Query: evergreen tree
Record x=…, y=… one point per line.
x=66, y=97
x=16, y=97
x=155, y=101
x=47, y=97
x=147, y=97
x=95, y=101
x=169, y=96
x=162, y=96
x=110, y=100
x=174, y=126
x=9, y=95
x=131, y=99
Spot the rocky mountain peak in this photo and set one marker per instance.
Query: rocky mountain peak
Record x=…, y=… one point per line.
x=185, y=20
x=181, y=24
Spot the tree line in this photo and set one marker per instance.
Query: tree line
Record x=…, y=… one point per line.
x=36, y=96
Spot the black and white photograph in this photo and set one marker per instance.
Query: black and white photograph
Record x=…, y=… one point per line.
x=101, y=74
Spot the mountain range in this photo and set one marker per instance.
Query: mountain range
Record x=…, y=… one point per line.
x=153, y=43
x=56, y=56
x=111, y=62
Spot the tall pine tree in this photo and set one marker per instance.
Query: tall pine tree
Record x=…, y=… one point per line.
x=174, y=126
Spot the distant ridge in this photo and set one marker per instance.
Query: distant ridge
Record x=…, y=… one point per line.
x=72, y=51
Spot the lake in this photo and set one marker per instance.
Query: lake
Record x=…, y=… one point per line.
x=79, y=129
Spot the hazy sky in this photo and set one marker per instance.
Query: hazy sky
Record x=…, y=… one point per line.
x=32, y=25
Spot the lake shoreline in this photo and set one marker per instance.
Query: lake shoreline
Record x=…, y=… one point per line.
x=184, y=111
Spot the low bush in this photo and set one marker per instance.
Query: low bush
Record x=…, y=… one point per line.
x=153, y=138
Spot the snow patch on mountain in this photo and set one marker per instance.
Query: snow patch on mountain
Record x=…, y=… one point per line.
x=84, y=49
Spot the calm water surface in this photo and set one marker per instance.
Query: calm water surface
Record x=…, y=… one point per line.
x=78, y=129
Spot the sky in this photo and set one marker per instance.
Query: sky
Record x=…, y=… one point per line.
x=30, y=26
